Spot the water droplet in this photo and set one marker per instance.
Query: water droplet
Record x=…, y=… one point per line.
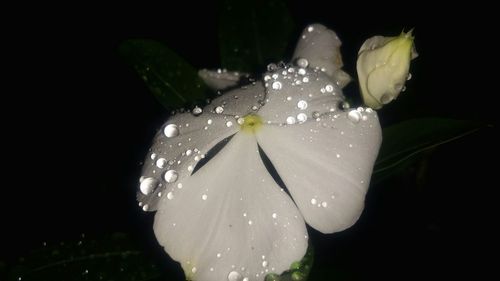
x=301, y=117
x=345, y=105
x=254, y=108
x=302, y=104
x=264, y=264
x=310, y=29
x=301, y=71
x=153, y=156
x=148, y=185
x=276, y=85
x=272, y=67
x=204, y=197
x=161, y=163
x=354, y=116
x=219, y=109
x=145, y=208
x=241, y=120
x=329, y=88
x=250, y=222
x=170, y=195
x=288, y=98
x=324, y=204
x=314, y=201
x=315, y=114
x=245, y=279
x=229, y=124
x=197, y=111
x=209, y=121
x=170, y=176
x=190, y=168
x=409, y=76
x=193, y=270
x=338, y=155
x=171, y=130
x=290, y=120
x=386, y=98
x=234, y=276
x=189, y=152
x=219, y=255
x=267, y=78
x=302, y=62
x=274, y=215
x=179, y=185
x=305, y=79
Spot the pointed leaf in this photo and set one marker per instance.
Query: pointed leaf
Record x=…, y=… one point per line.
x=112, y=258
x=172, y=80
x=253, y=33
x=404, y=141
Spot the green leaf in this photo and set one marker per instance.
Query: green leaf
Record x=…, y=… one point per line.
x=172, y=80
x=253, y=33
x=112, y=258
x=403, y=142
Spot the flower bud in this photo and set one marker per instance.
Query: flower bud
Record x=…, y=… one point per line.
x=383, y=66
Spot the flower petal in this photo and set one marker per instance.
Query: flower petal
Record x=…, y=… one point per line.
x=326, y=164
x=221, y=79
x=239, y=102
x=295, y=95
x=320, y=47
x=230, y=220
x=183, y=140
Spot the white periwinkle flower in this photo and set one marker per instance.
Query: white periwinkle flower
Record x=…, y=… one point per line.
x=228, y=219
x=383, y=66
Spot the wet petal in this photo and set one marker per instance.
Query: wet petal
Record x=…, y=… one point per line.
x=326, y=164
x=230, y=220
x=239, y=102
x=320, y=48
x=294, y=95
x=221, y=79
x=180, y=144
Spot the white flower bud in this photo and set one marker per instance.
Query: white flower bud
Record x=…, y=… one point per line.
x=383, y=66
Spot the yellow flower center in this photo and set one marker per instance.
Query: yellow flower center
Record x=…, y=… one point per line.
x=251, y=123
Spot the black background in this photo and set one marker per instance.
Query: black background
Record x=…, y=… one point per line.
x=78, y=122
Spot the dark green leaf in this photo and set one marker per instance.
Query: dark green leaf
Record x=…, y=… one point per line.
x=112, y=258
x=404, y=141
x=253, y=33
x=172, y=80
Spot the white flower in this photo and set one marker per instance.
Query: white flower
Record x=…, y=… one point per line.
x=383, y=66
x=229, y=219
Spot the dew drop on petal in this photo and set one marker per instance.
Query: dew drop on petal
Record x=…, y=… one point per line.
x=209, y=121
x=310, y=29
x=153, y=156
x=161, y=163
x=274, y=215
x=302, y=104
x=234, y=276
x=145, y=208
x=170, y=176
x=302, y=62
x=329, y=88
x=171, y=130
x=276, y=85
x=219, y=109
x=204, y=197
x=314, y=201
x=241, y=120
x=301, y=71
x=290, y=120
x=189, y=152
x=193, y=270
x=409, y=76
x=229, y=124
x=170, y=195
x=197, y=111
x=148, y=185
x=264, y=264
x=324, y=204
x=302, y=117
x=354, y=116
